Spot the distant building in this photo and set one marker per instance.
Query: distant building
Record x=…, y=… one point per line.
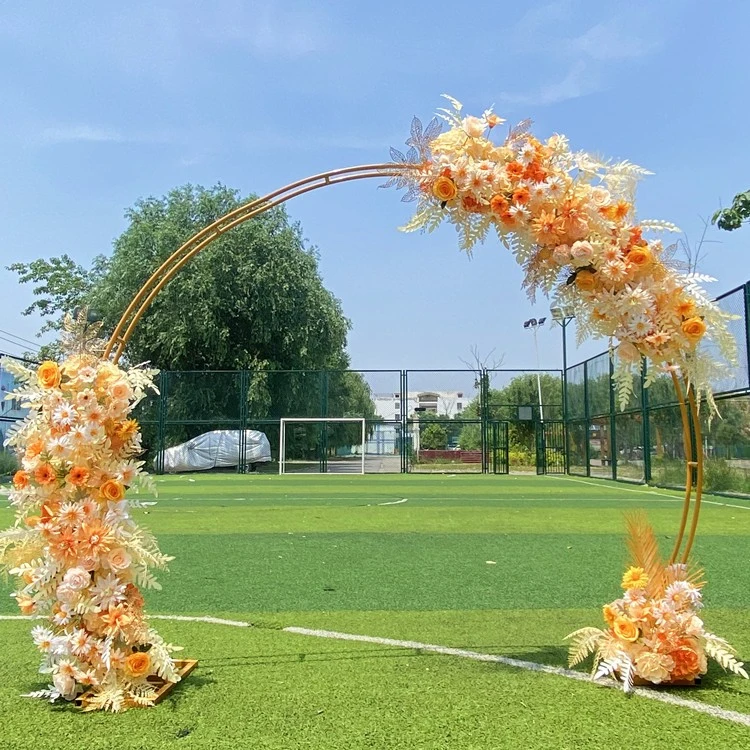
x=10, y=410
x=391, y=407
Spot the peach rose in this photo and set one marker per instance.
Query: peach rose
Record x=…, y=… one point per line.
x=628, y=352
x=625, y=629
x=585, y=280
x=48, y=374
x=444, y=189
x=77, y=578
x=694, y=328
x=118, y=559
x=121, y=390
x=138, y=664
x=112, y=490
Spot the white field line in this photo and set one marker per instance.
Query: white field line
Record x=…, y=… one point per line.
x=673, y=700
x=650, y=492
x=395, y=502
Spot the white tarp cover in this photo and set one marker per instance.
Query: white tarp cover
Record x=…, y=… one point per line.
x=216, y=449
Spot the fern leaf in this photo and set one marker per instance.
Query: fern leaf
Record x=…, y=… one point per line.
x=644, y=550
x=583, y=642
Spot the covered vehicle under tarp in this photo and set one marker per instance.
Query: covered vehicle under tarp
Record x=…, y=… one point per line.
x=215, y=449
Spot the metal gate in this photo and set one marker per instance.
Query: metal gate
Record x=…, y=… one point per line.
x=499, y=447
x=550, y=447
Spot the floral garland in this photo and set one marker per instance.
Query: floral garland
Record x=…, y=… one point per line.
x=78, y=554
x=570, y=221
x=654, y=633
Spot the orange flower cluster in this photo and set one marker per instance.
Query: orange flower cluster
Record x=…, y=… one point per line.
x=82, y=559
x=570, y=221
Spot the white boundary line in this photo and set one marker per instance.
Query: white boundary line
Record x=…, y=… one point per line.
x=674, y=700
x=648, y=492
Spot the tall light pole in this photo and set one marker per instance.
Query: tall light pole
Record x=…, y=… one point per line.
x=563, y=316
x=533, y=325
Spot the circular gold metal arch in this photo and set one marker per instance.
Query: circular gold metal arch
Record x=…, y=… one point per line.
x=688, y=404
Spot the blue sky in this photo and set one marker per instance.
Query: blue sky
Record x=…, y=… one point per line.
x=104, y=103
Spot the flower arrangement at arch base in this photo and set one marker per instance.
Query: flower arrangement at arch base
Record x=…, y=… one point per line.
x=79, y=556
x=654, y=634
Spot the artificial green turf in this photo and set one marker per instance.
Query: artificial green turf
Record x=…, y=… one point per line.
x=321, y=552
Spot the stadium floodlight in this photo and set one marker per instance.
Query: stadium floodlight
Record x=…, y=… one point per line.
x=534, y=325
x=337, y=466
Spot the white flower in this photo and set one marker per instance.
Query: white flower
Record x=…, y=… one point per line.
x=87, y=374
x=682, y=594
x=86, y=398
x=66, y=593
x=77, y=579
x=128, y=471
x=526, y=154
x=107, y=590
x=65, y=685
x=58, y=448
x=43, y=637
x=64, y=415
x=116, y=513
x=474, y=126
x=80, y=642
x=95, y=433
x=628, y=352
x=600, y=196
x=63, y=614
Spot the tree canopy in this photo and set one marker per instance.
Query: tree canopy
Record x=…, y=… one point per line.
x=736, y=215
x=253, y=299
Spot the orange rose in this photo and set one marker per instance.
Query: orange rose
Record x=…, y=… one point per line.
x=112, y=490
x=45, y=474
x=20, y=480
x=585, y=280
x=625, y=629
x=686, y=663
x=640, y=256
x=694, y=328
x=521, y=195
x=684, y=307
x=34, y=449
x=444, y=189
x=499, y=204
x=609, y=614
x=78, y=475
x=138, y=664
x=48, y=374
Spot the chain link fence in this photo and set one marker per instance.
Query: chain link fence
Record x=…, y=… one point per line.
x=643, y=443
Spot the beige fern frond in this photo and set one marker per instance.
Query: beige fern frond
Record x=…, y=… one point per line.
x=719, y=650
x=583, y=642
x=644, y=551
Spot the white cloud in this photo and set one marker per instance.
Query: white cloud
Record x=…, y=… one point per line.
x=612, y=40
x=579, y=81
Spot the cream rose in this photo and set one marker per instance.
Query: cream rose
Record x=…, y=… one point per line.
x=653, y=667
x=474, y=126
x=600, y=196
x=77, y=579
x=582, y=253
x=65, y=685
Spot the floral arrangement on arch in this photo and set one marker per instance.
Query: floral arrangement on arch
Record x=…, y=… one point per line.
x=79, y=556
x=569, y=219
x=654, y=634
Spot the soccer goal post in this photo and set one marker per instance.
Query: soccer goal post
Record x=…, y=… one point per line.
x=322, y=445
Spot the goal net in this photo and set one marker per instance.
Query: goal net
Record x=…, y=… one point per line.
x=333, y=445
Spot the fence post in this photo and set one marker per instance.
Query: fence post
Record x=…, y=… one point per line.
x=747, y=329
x=587, y=444
x=645, y=426
x=612, y=419
x=162, y=423
x=244, y=387
x=404, y=401
x=484, y=411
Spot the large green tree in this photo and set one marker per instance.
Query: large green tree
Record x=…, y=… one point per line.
x=253, y=299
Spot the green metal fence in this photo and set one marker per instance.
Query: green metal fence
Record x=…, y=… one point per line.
x=643, y=443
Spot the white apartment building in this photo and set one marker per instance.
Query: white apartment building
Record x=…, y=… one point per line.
x=391, y=407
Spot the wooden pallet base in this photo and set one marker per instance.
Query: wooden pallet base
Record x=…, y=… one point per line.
x=639, y=682
x=183, y=666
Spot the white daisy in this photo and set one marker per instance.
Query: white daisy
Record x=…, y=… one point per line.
x=107, y=590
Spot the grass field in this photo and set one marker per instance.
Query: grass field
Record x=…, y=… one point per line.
x=500, y=565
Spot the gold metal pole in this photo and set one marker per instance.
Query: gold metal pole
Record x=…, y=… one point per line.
x=145, y=296
x=698, y=465
x=688, y=446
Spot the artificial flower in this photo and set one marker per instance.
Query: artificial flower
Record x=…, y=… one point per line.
x=48, y=374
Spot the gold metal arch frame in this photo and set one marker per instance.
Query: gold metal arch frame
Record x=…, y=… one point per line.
x=685, y=392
